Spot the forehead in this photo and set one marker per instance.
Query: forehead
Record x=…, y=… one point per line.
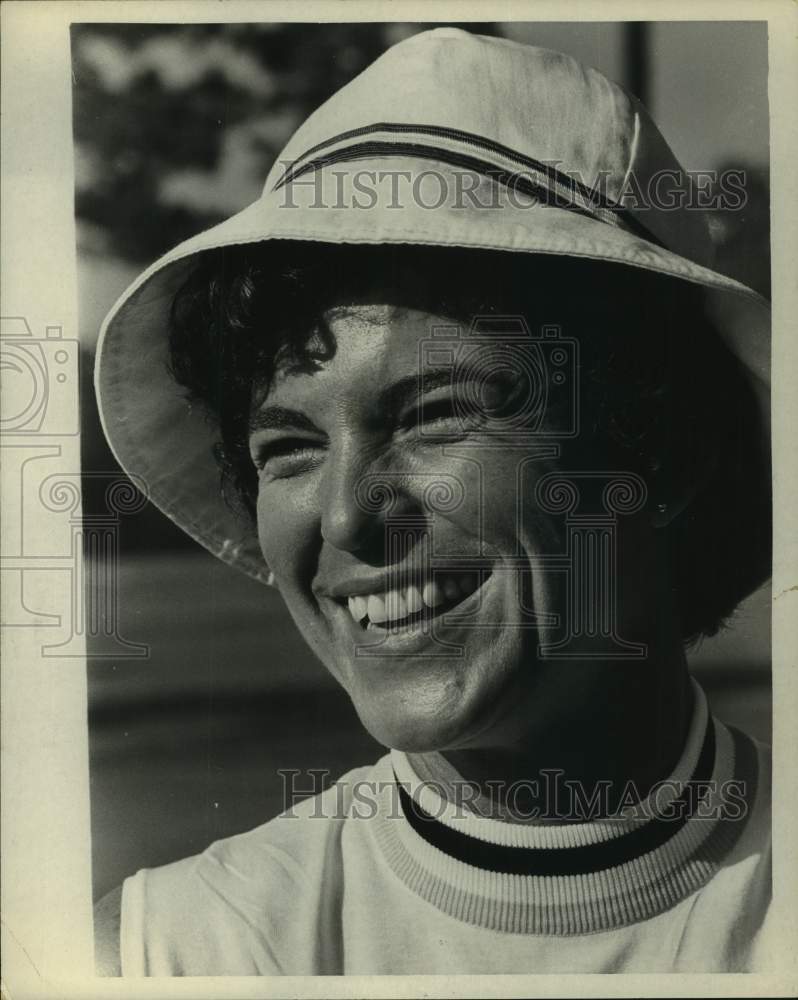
x=359, y=345
x=355, y=318
x=374, y=306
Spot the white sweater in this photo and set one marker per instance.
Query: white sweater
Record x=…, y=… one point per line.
x=364, y=880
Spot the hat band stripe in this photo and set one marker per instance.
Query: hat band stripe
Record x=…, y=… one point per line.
x=560, y=184
x=565, y=197
x=591, y=195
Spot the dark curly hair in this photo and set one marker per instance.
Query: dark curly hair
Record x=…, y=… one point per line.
x=660, y=394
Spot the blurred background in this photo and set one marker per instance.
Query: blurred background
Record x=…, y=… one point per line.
x=175, y=128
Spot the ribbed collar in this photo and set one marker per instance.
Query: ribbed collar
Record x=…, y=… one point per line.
x=571, y=878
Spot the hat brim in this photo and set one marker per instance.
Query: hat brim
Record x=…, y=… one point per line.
x=158, y=436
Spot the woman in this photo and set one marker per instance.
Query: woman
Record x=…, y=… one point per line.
x=474, y=421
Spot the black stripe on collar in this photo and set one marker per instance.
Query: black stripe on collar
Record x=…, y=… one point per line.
x=580, y=860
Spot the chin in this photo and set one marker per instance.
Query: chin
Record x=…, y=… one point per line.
x=423, y=725
x=412, y=735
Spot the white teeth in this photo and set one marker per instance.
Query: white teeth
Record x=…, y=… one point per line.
x=394, y=605
x=413, y=600
x=358, y=608
x=376, y=608
x=432, y=595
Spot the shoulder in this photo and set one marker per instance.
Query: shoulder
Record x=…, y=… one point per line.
x=245, y=901
x=107, y=919
x=745, y=880
x=293, y=846
x=728, y=917
x=746, y=822
x=755, y=777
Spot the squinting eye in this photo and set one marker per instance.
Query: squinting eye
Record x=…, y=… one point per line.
x=439, y=409
x=446, y=411
x=285, y=456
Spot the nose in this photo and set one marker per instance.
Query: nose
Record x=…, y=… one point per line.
x=358, y=492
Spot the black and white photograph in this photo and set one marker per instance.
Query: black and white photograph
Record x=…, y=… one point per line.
x=420, y=565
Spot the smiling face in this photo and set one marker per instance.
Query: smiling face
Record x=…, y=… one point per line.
x=416, y=532
x=389, y=510
x=332, y=444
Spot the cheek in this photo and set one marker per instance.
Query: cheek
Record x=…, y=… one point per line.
x=500, y=502
x=286, y=529
x=287, y=534
x=515, y=527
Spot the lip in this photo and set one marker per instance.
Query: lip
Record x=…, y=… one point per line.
x=388, y=644
x=361, y=585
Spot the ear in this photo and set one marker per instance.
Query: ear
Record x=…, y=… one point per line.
x=670, y=501
x=665, y=512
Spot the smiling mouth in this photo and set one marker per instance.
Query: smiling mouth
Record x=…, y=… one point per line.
x=406, y=607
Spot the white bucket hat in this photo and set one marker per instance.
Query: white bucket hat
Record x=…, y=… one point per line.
x=448, y=139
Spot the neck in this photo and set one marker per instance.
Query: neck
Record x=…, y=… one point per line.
x=619, y=729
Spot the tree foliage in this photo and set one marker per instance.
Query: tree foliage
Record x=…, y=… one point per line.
x=176, y=126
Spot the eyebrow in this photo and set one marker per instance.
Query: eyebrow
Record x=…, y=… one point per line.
x=275, y=418
x=391, y=400
x=411, y=387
